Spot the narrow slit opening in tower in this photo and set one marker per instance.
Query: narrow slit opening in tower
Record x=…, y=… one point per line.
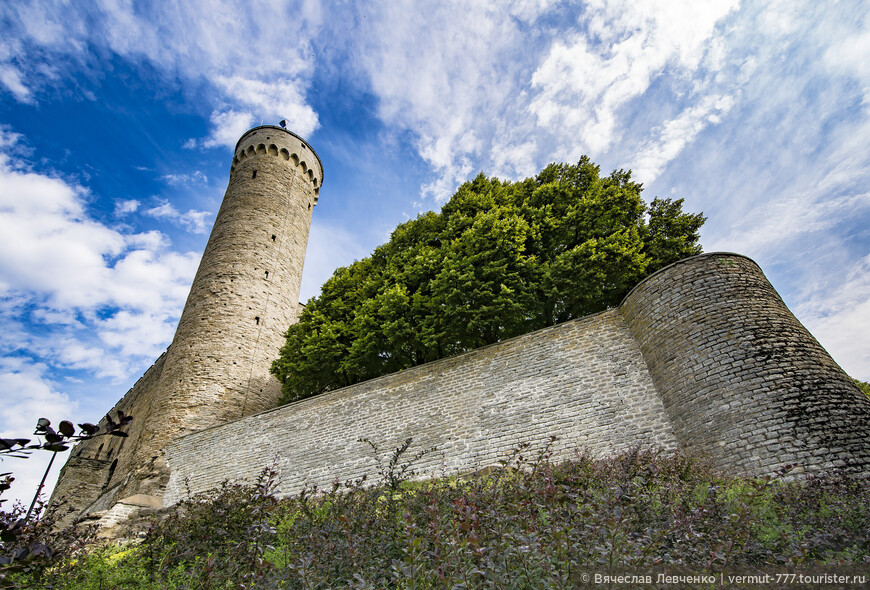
x=257, y=320
x=267, y=274
x=273, y=237
x=254, y=174
x=112, y=470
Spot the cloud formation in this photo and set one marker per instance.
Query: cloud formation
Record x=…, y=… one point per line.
x=257, y=55
x=840, y=320
x=88, y=286
x=192, y=220
x=585, y=80
x=507, y=91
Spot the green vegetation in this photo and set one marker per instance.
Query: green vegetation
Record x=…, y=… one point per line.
x=28, y=539
x=863, y=386
x=527, y=524
x=499, y=260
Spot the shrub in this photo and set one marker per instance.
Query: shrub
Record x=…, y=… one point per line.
x=528, y=523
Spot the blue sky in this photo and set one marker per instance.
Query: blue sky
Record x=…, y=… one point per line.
x=118, y=119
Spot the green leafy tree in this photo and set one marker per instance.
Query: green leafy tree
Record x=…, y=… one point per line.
x=671, y=234
x=499, y=260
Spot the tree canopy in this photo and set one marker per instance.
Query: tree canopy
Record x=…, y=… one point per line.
x=499, y=260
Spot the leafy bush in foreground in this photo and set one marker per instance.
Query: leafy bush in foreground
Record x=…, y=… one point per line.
x=28, y=539
x=528, y=524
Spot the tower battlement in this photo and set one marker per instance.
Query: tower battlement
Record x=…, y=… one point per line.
x=270, y=140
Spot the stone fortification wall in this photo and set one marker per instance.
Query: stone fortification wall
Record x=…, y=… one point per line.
x=702, y=355
x=740, y=377
x=90, y=477
x=584, y=382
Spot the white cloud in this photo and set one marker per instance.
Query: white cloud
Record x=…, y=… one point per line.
x=47, y=243
x=126, y=206
x=184, y=179
x=227, y=127
x=775, y=226
x=66, y=317
x=516, y=160
x=840, y=319
x=192, y=220
x=528, y=10
x=8, y=140
x=444, y=76
x=72, y=353
x=137, y=334
x=11, y=78
x=255, y=55
x=848, y=55
x=89, y=284
x=584, y=82
x=673, y=136
x=274, y=100
x=484, y=92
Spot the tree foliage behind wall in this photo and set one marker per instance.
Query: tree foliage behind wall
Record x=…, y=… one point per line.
x=499, y=260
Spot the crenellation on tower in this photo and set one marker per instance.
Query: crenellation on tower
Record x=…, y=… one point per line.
x=284, y=146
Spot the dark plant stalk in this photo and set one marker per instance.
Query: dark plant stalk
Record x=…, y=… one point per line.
x=41, y=485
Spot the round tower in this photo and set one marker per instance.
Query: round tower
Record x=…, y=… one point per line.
x=741, y=379
x=243, y=298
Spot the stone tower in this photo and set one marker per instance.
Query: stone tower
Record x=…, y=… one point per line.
x=243, y=298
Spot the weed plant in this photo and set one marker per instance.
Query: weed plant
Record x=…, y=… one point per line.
x=529, y=523
x=29, y=547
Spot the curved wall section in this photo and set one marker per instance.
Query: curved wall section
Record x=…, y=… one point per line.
x=739, y=376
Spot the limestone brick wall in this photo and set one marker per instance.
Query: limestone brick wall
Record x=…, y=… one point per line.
x=739, y=376
x=584, y=382
x=702, y=355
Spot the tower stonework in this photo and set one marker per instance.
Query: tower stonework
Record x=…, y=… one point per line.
x=244, y=296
